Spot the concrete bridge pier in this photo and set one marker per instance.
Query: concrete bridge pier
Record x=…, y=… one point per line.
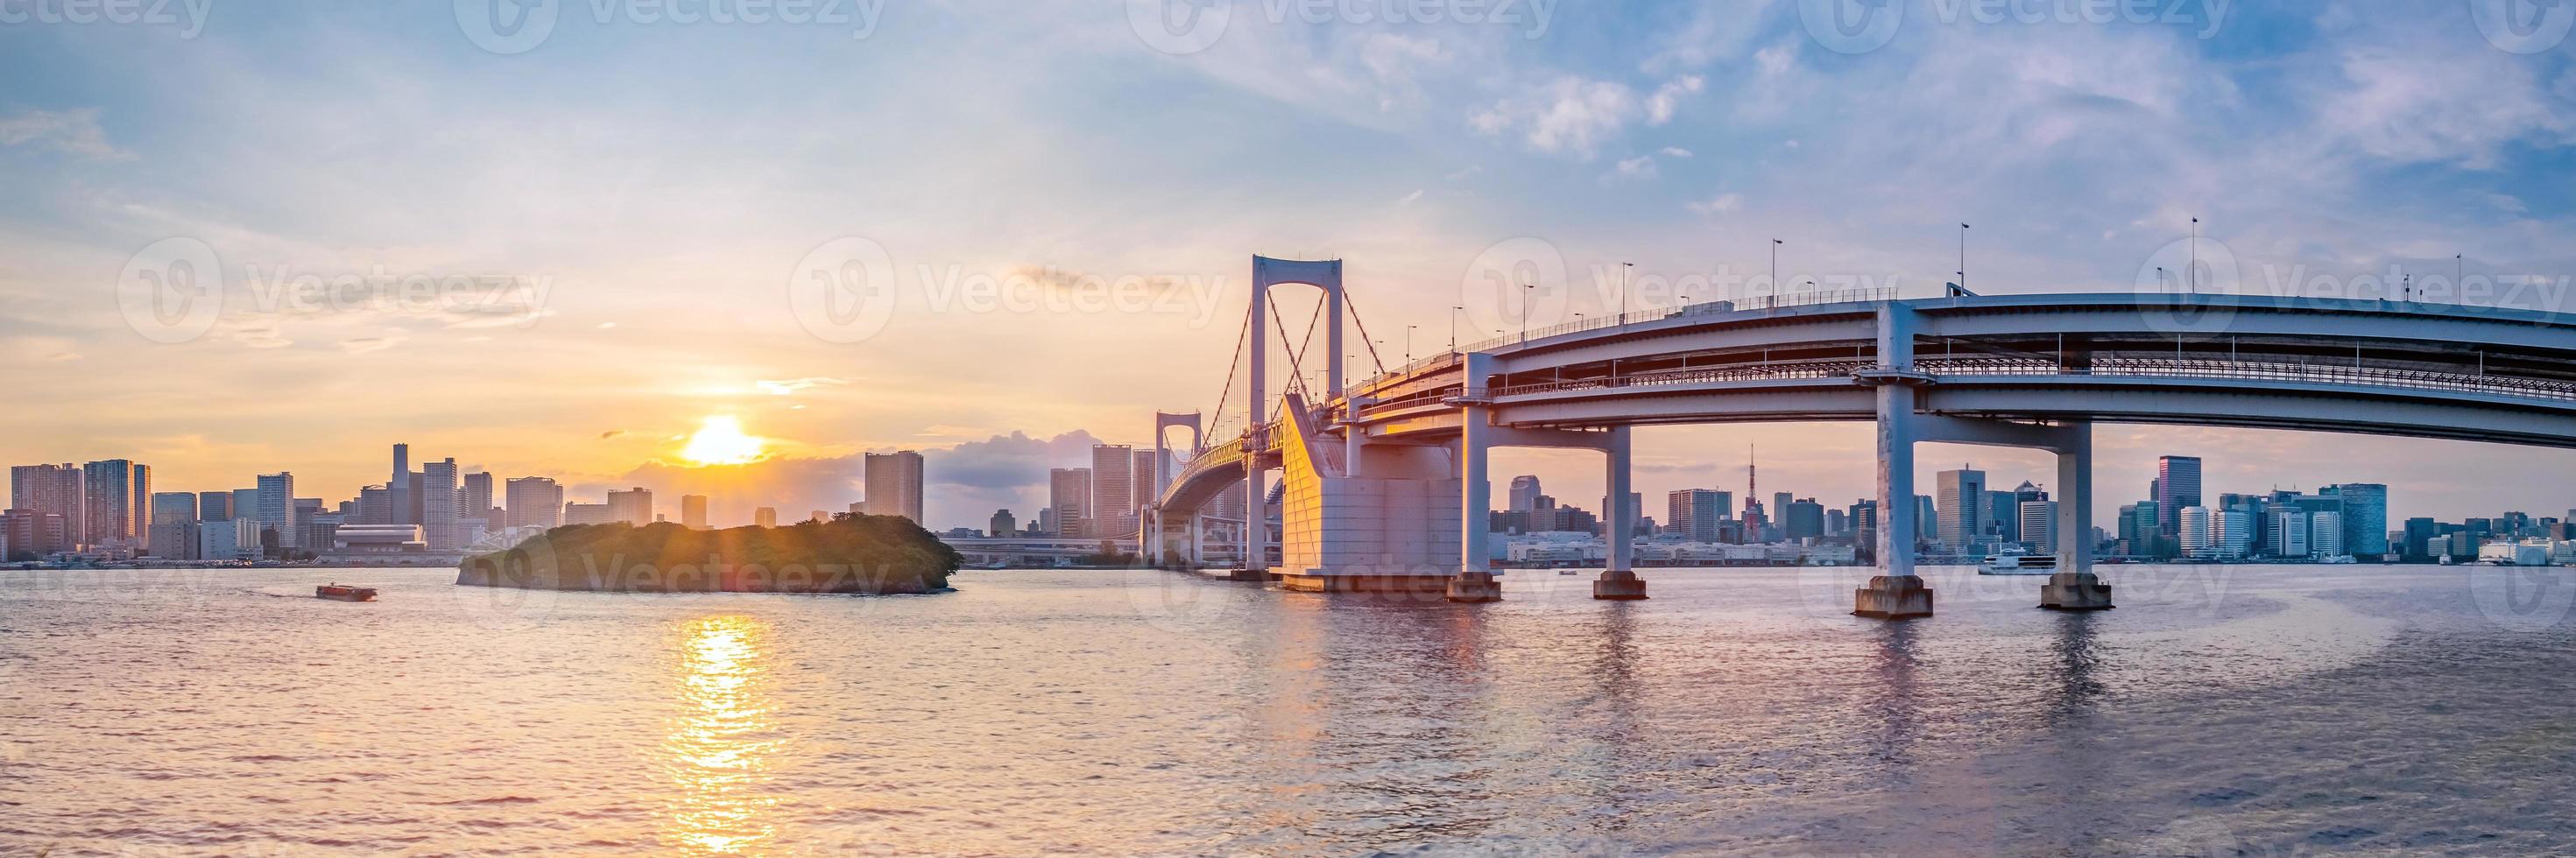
x=2074, y=587
x=1475, y=581
x=1896, y=593
x=1619, y=581
x=1198, y=542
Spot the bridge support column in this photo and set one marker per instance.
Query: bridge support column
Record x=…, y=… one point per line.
x=1619, y=581
x=1198, y=542
x=1475, y=581
x=2074, y=587
x=1896, y=592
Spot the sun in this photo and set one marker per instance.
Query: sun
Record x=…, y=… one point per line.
x=720, y=441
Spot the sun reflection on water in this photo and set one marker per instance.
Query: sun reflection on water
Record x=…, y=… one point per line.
x=717, y=753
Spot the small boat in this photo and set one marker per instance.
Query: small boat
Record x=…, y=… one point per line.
x=345, y=593
x=2016, y=562
x=1568, y=572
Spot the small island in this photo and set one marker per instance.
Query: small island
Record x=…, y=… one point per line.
x=856, y=554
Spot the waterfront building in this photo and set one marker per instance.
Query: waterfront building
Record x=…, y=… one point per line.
x=693, y=512
x=2365, y=518
x=275, y=507
x=1962, y=506
x=51, y=490
x=532, y=502
x=2177, y=487
x=1149, y=479
x=33, y=534
x=2287, y=535
x=474, y=496
x=1113, y=500
x=1003, y=524
x=2038, y=521
x=894, y=484
x=2231, y=532
x=2325, y=534
x=237, y=539
x=2194, y=534
x=591, y=513
x=116, y=502
x=437, y=484
x=632, y=506
x=1069, y=497
x=1525, y=492
x=174, y=520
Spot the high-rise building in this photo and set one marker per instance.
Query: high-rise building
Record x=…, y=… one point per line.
x=632, y=506
x=693, y=512
x=533, y=502
x=1004, y=524
x=894, y=484
x=1148, y=478
x=1802, y=518
x=2325, y=533
x=116, y=502
x=403, y=490
x=1927, y=518
x=438, y=504
x=1695, y=513
x=42, y=490
x=1524, y=493
x=174, y=520
x=237, y=539
x=2038, y=522
x=1069, y=496
x=1113, y=499
x=2177, y=486
x=2232, y=532
x=275, y=509
x=2286, y=535
x=2193, y=522
x=766, y=516
x=474, y=495
x=2365, y=519
x=215, y=506
x=1963, y=503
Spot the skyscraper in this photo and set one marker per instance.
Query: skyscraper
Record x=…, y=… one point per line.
x=1113, y=499
x=534, y=502
x=894, y=484
x=693, y=512
x=1069, y=495
x=1695, y=513
x=174, y=531
x=2365, y=519
x=275, y=509
x=632, y=506
x=116, y=501
x=44, y=490
x=1148, y=480
x=765, y=516
x=1003, y=524
x=215, y=506
x=2177, y=487
x=474, y=496
x=406, y=505
x=438, y=510
x=1524, y=493
x=1962, y=502
x=2038, y=520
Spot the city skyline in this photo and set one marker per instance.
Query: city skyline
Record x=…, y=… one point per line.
x=644, y=318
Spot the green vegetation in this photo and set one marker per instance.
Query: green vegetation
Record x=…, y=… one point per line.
x=850, y=554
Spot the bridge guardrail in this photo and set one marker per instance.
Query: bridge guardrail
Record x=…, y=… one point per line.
x=2363, y=376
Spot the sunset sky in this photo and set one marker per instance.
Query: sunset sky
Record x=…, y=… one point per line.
x=631, y=207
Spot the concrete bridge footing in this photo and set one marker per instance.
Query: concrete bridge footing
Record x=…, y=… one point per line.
x=1893, y=597
x=2075, y=591
x=1619, y=584
x=1475, y=585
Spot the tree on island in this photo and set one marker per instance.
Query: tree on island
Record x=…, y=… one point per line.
x=849, y=554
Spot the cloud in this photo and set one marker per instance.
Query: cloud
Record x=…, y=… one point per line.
x=1722, y=204
x=363, y=345
x=612, y=433
x=792, y=386
x=1637, y=169
x=71, y=131
x=1573, y=115
x=1676, y=152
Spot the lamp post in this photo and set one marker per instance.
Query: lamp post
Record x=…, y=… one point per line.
x=1623, y=292
x=1454, y=312
x=1528, y=292
x=1408, y=344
